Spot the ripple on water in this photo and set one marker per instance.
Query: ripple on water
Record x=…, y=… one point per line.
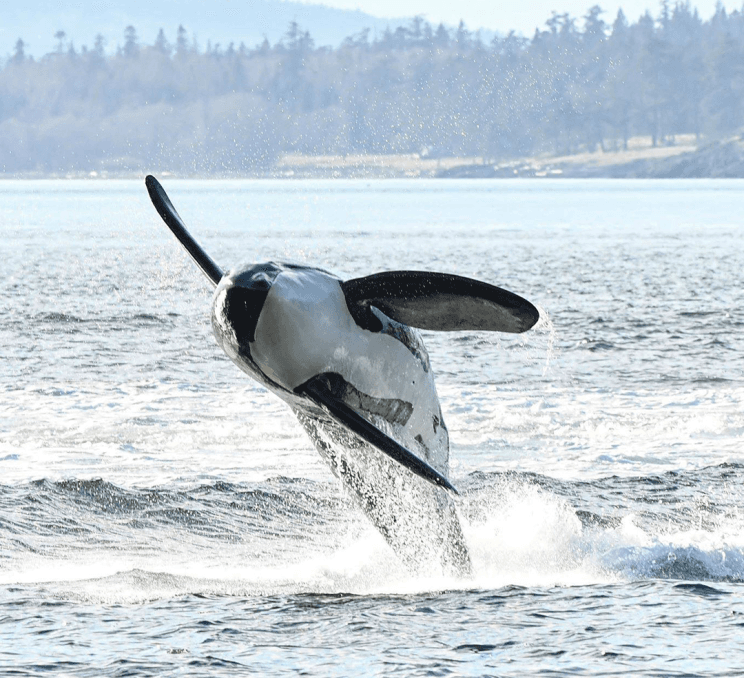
x=161, y=515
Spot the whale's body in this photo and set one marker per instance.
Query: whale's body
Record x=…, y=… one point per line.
x=343, y=356
x=305, y=333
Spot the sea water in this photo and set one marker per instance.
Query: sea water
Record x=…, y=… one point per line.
x=161, y=514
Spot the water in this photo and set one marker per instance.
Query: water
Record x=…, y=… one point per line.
x=160, y=514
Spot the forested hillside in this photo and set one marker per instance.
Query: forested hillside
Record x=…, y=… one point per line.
x=221, y=21
x=579, y=84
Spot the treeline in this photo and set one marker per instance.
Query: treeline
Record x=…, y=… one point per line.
x=414, y=89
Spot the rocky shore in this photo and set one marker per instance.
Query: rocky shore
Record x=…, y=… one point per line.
x=679, y=159
x=714, y=160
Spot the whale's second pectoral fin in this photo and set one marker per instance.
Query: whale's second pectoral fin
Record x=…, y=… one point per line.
x=320, y=392
x=168, y=214
x=440, y=301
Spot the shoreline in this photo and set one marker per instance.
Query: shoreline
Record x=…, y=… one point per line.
x=683, y=158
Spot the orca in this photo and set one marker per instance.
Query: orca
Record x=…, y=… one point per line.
x=347, y=358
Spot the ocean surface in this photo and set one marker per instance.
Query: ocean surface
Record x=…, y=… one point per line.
x=161, y=514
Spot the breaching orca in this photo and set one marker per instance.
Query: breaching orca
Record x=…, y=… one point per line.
x=344, y=357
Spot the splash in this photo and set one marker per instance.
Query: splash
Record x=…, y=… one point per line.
x=92, y=541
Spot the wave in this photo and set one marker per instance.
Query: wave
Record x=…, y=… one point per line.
x=69, y=323
x=298, y=536
x=218, y=509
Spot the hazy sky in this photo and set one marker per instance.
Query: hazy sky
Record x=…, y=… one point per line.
x=503, y=15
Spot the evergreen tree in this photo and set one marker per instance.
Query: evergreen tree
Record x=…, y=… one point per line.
x=131, y=48
x=414, y=89
x=19, y=55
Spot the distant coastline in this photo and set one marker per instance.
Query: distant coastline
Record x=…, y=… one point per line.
x=659, y=97
x=681, y=160
x=684, y=158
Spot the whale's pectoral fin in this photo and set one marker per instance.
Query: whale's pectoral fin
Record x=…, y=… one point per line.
x=439, y=301
x=320, y=392
x=174, y=222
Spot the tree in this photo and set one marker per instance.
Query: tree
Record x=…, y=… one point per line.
x=572, y=86
x=60, y=36
x=161, y=43
x=19, y=55
x=441, y=37
x=99, y=47
x=594, y=28
x=131, y=47
x=182, y=43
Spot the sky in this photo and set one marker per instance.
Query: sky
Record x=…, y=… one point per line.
x=249, y=21
x=506, y=15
